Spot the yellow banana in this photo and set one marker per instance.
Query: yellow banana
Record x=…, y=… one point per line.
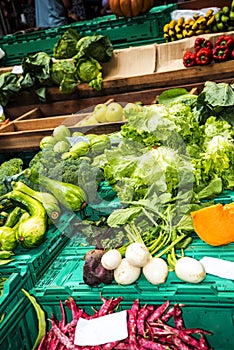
x=210, y=21
x=172, y=24
x=209, y=13
x=180, y=21
x=166, y=28
x=201, y=20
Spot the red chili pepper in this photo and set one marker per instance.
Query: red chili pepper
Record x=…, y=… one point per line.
x=221, y=54
x=225, y=40
x=204, y=57
x=201, y=43
x=189, y=59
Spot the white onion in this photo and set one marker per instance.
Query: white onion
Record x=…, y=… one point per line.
x=125, y=273
x=156, y=271
x=137, y=254
x=111, y=259
x=190, y=270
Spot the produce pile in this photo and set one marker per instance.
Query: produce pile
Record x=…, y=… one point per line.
x=169, y=160
x=182, y=28
x=205, y=53
x=79, y=60
x=149, y=327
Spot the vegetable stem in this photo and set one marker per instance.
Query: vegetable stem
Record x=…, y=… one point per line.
x=164, y=251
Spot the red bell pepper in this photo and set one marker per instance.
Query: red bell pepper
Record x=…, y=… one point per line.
x=225, y=40
x=221, y=54
x=189, y=59
x=201, y=43
x=204, y=57
x=232, y=54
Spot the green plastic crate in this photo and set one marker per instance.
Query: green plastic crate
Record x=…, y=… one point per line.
x=208, y=304
x=225, y=197
x=11, y=292
x=19, y=328
x=123, y=32
x=38, y=259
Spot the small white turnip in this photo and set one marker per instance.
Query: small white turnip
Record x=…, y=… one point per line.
x=137, y=254
x=156, y=271
x=125, y=273
x=190, y=270
x=111, y=259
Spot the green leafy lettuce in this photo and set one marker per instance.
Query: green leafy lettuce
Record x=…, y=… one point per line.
x=89, y=70
x=63, y=73
x=65, y=47
x=98, y=47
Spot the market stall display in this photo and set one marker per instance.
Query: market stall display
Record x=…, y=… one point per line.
x=134, y=196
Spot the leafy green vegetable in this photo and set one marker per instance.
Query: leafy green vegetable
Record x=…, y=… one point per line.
x=36, y=73
x=216, y=99
x=64, y=74
x=89, y=70
x=176, y=95
x=98, y=47
x=9, y=168
x=66, y=45
x=9, y=86
x=38, y=66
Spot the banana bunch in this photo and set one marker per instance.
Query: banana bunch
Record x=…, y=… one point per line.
x=181, y=28
x=224, y=19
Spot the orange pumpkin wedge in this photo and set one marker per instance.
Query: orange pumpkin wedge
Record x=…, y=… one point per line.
x=215, y=224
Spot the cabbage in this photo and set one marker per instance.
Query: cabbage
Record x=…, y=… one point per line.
x=63, y=73
x=89, y=70
x=98, y=47
x=66, y=45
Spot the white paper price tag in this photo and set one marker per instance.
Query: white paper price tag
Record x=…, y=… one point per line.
x=218, y=267
x=101, y=330
x=17, y=70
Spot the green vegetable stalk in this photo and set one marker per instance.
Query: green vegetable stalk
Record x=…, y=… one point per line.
x=70, y=196
x=41, y=319
x=31, y=229
x=48, y=201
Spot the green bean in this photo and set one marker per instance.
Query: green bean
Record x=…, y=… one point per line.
x=41, y=319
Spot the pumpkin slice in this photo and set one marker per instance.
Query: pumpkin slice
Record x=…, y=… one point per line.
x=215, y=224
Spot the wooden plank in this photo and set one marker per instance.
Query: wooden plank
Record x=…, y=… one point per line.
x=200, y=4
x=85, y=105
x=32, y=114
x=30, y=139
x=39, y=124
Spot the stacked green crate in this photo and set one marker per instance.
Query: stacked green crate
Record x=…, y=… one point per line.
x=123, y=32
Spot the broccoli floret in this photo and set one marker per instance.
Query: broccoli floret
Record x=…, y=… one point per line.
x=66, y=171
x=44, y=161
x=9, y=168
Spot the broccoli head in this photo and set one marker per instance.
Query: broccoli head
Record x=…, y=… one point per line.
x=9, y=168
